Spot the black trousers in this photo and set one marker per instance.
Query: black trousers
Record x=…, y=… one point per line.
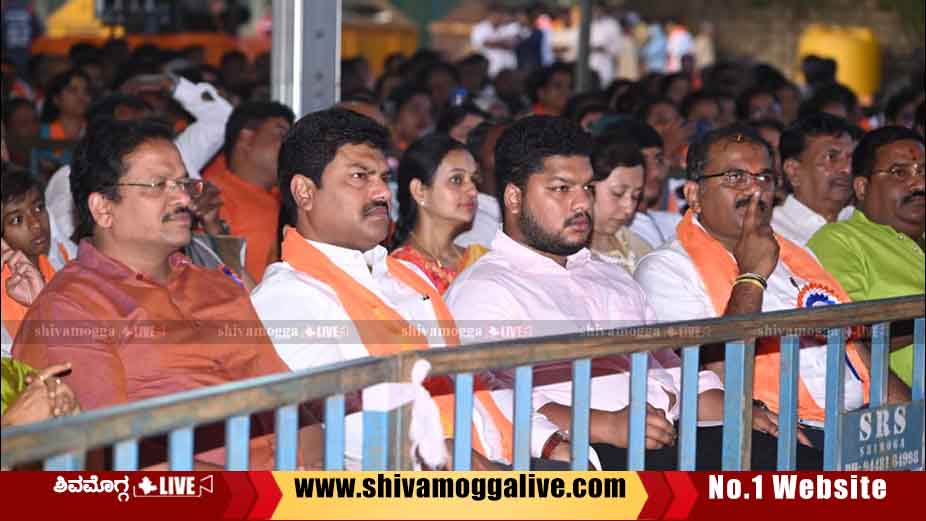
x=708, y=453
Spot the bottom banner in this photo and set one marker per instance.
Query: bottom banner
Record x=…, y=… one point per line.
x=458, y=495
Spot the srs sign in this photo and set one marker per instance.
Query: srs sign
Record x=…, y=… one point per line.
x=886, y=438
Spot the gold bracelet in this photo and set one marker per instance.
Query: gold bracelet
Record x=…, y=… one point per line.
x=749, y=280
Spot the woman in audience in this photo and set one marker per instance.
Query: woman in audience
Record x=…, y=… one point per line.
x=437, y=201
x=620, y=178
x=64, y=116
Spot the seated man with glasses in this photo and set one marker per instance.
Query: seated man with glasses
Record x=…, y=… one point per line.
x=131, y=314
x=878, y=252
x=727, y=261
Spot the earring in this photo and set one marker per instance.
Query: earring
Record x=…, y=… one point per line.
x=421, y=203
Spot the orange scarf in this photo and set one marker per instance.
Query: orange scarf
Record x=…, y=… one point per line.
x=13, y=311
x=718, y=270
x=383, y=330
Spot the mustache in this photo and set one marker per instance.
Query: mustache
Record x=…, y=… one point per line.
x=368, y=209
x=744, y=202
x=572, y=220
x=177, y=211
x=916, y=193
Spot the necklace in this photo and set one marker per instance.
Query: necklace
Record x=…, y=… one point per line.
x=417, y=245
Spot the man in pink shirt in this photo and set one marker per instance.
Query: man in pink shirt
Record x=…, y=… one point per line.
x=540, y=277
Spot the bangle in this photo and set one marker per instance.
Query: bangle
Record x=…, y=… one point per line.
x=751, y=275
x=552, y=442
x=749, y=280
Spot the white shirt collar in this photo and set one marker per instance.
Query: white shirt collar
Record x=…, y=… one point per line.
x=798, y=222
x=530, y=260
x=357, y=264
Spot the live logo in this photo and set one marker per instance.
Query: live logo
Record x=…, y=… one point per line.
x=169, y=486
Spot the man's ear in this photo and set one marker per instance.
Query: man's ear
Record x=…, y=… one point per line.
x=692, y=192
x=513, y=198
x=789, y=167
x=303, y=190
x=101, y=208
x=860, y=185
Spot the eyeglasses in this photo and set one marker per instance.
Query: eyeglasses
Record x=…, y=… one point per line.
x=741, y=179
x=904, y=172
x=193, y=187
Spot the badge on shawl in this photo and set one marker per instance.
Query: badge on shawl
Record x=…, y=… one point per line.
x=814, y=295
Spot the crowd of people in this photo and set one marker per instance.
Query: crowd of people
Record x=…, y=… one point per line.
x=171, y=200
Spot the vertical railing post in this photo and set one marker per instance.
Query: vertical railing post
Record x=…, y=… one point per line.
x=286, y=429
x=463, y=421
x=636, y=448
x=180, y=449
x=835, y=398
x=334, y=432
x=880, y=345
x=739, y=359
x=523, y=409
x=688, y=419
x=787, y=401
x=581, y=412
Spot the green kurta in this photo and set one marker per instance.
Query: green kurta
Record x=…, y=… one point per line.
x=873, y=261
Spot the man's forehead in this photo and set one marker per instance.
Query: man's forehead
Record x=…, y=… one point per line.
x=733, y=150
x=903, y=150
x=152, y=154
x=362, y=153
x=567, y=166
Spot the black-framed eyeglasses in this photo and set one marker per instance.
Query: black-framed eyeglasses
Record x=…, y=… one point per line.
x=193, y=187
x=740, y=179
x=904, y=172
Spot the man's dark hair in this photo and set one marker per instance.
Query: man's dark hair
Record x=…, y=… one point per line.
x=768, y=123
x=523, y=147
x=638, y=132
x=863, y=159
x=827, y=94
x=99, y=162
x=794, y=139
x=399, y=97
x=17, y=182
x=361, y=96
x=575, y=108
x=742, y=102
x=251, y=115
x=541, y=78
x=106, y=106
x=612, y=153
x=312, y=144
x=695, y=98
x=898, y=101
x=699, y=151
x=642, y=112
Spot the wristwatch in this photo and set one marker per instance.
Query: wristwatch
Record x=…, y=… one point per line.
x=553, y=441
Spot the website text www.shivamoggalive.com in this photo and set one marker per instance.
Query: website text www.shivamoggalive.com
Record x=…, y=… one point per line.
x=522, y=486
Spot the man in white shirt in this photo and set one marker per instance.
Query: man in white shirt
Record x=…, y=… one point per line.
x=496, y=38
x=605, y=41
x=726, y=261
x=333, y=183
x=541, y=276
x=816, y=154
x=197, y=143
